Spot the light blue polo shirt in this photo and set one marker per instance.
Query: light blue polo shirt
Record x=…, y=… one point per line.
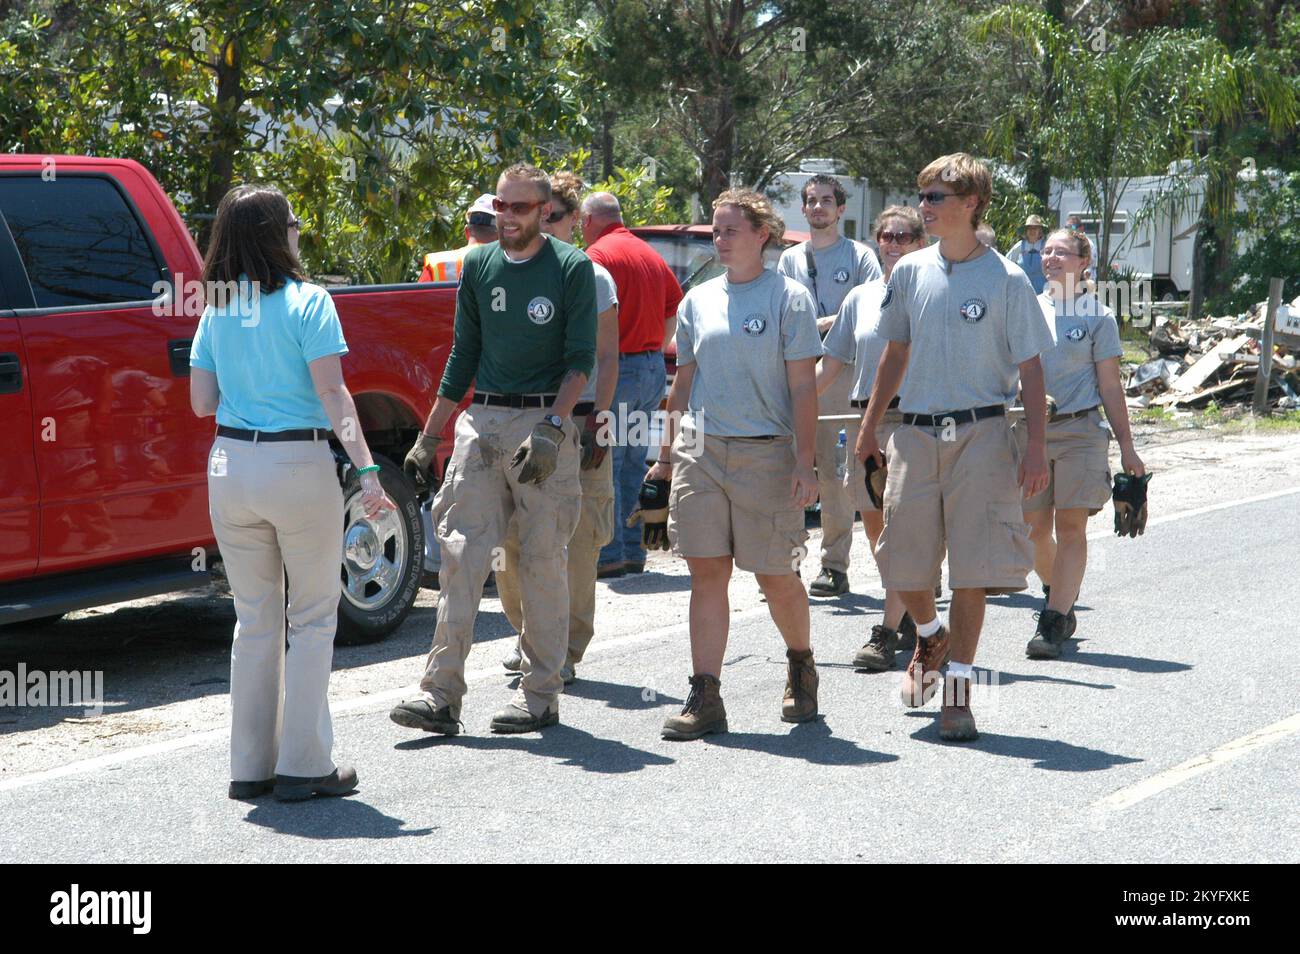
x=259, y=350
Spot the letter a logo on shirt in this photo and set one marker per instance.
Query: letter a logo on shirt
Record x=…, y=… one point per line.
x=540, y=310
x=754, y=325
x=1077, y=333
x=973, y=310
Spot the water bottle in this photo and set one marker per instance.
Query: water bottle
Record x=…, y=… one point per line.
x=841, y=454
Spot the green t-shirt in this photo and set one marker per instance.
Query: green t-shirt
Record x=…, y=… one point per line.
x=520, y=326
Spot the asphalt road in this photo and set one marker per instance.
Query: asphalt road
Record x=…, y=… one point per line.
x=1171, y=733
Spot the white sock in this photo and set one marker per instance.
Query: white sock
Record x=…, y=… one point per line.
x=928, y=629
x=958, y=670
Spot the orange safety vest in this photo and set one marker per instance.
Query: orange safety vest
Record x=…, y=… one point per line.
x=443, y=266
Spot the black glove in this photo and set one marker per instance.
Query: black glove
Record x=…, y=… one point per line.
x=877, y=474
x=652, y=513
x=1130, y=498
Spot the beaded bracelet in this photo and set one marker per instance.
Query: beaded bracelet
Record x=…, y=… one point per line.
x=362, y=471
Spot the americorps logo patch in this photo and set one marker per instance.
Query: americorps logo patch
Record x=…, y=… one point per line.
x=1077, y=333
x=841, y=275
x=754, y=325
x=540, y=310
x=973, y=309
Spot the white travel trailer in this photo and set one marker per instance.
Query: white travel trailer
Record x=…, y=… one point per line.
x=1156, y=244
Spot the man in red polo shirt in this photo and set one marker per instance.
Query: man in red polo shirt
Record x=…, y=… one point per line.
x=648, y=295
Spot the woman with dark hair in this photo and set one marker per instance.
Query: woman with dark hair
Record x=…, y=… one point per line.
x=265, y=361
x=854, y=342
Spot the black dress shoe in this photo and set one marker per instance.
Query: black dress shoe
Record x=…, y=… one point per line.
x=291, y=788
x=242, y=791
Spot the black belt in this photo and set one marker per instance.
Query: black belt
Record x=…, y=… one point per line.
x=970, y=415
x=1073, y=414
x=300, y=434
x=637, y=354
x=863, y=404
x=513, y=400
x=760, y=437
x=583, y=408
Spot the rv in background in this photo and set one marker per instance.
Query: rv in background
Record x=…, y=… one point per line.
x=1158, y=246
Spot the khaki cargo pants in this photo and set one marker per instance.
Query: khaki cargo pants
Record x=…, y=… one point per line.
x=480, y=494
x=837, y=504
x=595, y=529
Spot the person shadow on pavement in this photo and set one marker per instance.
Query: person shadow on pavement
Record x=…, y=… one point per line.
x=811, y=741
x=619, y=696
x=1051, y=754
x=328, y=818
x=563, y=743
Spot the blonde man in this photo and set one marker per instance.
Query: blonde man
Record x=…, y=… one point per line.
x=965, y=326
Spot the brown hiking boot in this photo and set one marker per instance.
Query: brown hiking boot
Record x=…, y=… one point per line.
x=800, y=701
x=956, y=724
x=922, y=677
x=702, y=714
x=878, y=654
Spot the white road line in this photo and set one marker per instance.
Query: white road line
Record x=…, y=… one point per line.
x=1163, y=781
x=381, y=699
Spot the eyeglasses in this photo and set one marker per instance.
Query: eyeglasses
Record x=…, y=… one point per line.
x=1052, y=251
x=557, y=215
x=898, y=238
x=517, y=208
x=295, y=223
x=935, y=198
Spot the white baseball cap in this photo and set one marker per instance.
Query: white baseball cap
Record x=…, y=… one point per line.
x=482, y=204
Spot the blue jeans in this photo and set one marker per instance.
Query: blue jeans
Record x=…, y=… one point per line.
x=641, y=383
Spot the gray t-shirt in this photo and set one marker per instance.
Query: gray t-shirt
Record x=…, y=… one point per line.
x=606, y=298
x=740, y=336
x=855, y=337
x=840, y=268
x=1085, y=333
x=968, y=331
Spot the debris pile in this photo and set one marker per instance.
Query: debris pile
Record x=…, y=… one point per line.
x=1214, y=359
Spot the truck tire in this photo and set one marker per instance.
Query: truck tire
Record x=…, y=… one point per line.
x=383, y=559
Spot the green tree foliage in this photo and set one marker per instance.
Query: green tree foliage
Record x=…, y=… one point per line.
x=382, y=118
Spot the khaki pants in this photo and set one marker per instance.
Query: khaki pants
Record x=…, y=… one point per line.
x=480, y=494
x=277, y=508
x=595, y=529
x=836, y=503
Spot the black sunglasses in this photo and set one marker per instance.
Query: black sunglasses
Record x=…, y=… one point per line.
x=557, y=215
x=935, y=198
x=901, y=238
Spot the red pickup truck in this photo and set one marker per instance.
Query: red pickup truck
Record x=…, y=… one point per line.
x=103, y=487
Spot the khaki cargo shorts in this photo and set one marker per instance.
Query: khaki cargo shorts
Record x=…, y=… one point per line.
x=733, y=499
x=960, y=495
x=1078, y=465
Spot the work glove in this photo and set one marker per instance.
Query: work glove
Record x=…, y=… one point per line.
x=652, y=513
x=1130, y=498
x=539, y=453
x=875, y=478
x=593, y=452
x=418, y=464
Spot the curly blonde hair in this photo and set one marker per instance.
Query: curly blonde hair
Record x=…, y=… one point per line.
x=567, y=188
x=758, y=209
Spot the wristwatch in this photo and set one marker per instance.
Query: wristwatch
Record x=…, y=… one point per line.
x=555, y=421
